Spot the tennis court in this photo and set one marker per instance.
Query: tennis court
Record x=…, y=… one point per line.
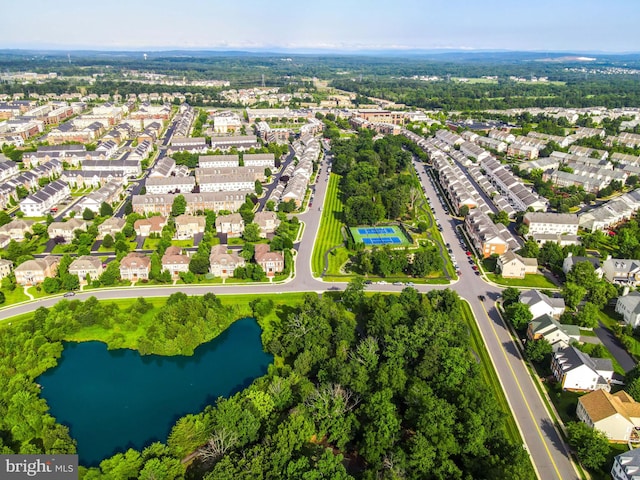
x=376, y=236
x=376, y=231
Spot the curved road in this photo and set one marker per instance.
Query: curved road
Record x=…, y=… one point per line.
x=544, y=443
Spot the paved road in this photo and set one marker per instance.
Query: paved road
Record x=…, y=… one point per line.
x=548, y=451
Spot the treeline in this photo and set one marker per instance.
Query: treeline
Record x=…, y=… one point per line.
x=376, y=184
x=385, y=261
x=370, y=387
x=611, y=92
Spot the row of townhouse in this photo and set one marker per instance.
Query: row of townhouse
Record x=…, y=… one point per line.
x=560, y=140
x=514, y=190
x=66, y=230
x=129, y=168
x=109, y=193
x=257, y=173
x=308, y=152
x=264, y=160
x=487, y=237
x=40, y=203
x=166, y=167
x=90, y=178
x=491, y=191
x=625, y=158
x=588, y=152
x=8, y=168
x=162, y=203
x=611, y=213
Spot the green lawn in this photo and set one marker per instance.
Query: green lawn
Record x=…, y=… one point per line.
x=152, y=243
x=532, y=281
x=489, y=374
x=329, y=233
x=15, y=296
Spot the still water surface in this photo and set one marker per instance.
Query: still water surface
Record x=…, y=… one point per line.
x=114, y=400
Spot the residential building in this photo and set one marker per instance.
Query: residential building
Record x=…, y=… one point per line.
x=577, y=371
x=617, y=415
x=629, y=307
x=66, y=230
x=135, y=266
x=39, y=204
x=216, y=201
x=5, y=267
x=33, y=272
x=231, y=225
x=8, y=168
x=570, y=261
x=267, y=221
x=109, y=193
x=551, y=223
x=162, y=168
x=271, y=262
x=159, y=185
x=540, y=304
x=111, y=226
x=174, y=262
x=621, y=271
x=129, y=168
x=149, y=226
x=17, y=228
x=487, y=237
x=557, y=334
x=224, y=262
x=264, y=160
x=512, y=265
x=216, y=161
x=187, y=226
x=240, y=142
x=474, y=151
x=231, y=182
x=86, y=268
x=626, y=466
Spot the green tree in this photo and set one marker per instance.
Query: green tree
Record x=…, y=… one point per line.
x=128, y=208
x=105, y=210
x=179, y=206
x=588, y=315
x=590, y=444
x=583, y=274
x=107, y=241
x=51, y=285
x=510, y=295
x=251, y=232
x=88, y=214
x=199, y=264
x=501, y=217
x=573, y=294
x=538, y=350
x=270, y=206
x=4, y=218
x=2, y=298
x=464, y=211
x=258, y=187
x=519, y=315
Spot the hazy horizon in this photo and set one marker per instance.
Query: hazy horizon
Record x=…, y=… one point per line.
x=576, y=26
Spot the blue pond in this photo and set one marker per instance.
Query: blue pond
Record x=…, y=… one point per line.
x=114, y=400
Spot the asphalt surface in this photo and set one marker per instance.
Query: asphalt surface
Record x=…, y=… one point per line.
x=612, y=344
x=542, y=440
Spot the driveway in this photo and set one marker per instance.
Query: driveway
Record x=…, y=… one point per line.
x=615, y=347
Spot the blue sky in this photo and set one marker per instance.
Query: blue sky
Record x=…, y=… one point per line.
x=541, y=25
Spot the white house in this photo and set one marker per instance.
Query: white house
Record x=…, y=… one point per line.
x=551, y=223
x=626, y=466
x=558, y=335
x=575, y=370
x=540, y=304
x=629, y=307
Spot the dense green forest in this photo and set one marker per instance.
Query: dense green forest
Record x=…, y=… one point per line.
x=381, y=386
x=608, y=91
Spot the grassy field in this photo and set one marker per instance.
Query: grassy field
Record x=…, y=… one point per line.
x=329, y=234
x=489, y=374
x=152, y=243
x=532, y=281
x=15, y=296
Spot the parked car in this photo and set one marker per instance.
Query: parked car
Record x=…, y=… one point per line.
x=69, y=294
